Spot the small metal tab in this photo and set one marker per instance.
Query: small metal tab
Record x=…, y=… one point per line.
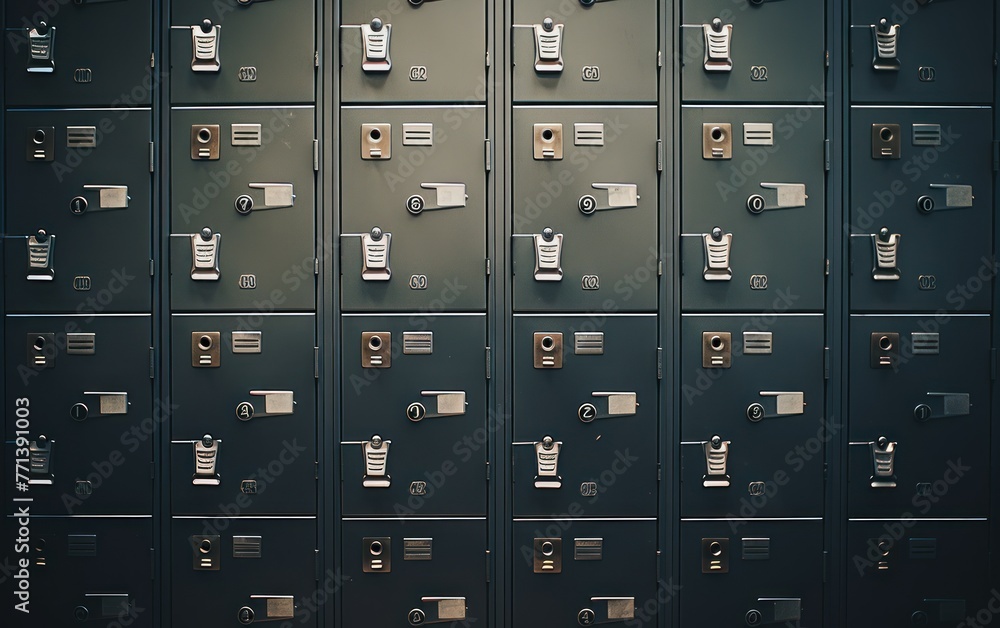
x=620, y=196
x=756, y=548
x=206, y=457
x=81, y=137
x=777, y=196
x=758, y=342
x=715, y=555
x=925, y=343
x=109, y=196
x=547, y=555
x=376, y=452
x=41, y=49
x=42, y=350
x=886, y=252
x=718, y=246
x=40, y=453
x=276, y=402
x=926, y=134
x=447, y=196
x=716, y=459
x=40, y=144
x=588, y=343
x=81, y=343
x=588, y=549
x=548, y=349
x=548, y=46
x=247, y=547
x=945, y=196
x=885, y=41
x=418, y=549
x=547, y=140
x=717, y=140
x=376, y=349
x=883, y=460
x=375, y=255
x=718, y=45
x=716, y=349
x=246, y=135
x=206, y=349
x=418, y=134
x=375, y=40
x=418, y=342
x=205, y=140
x=547, y=458
x=785, y=404
x=758, y=134
x=775, y=611
x=376, y=141
x=886, y=141
x=109, y=403
x=884, y=349
x=939, y=405
x=41, y=251
x=205, y=47
x=548, y=255
x=588, y=134
x=244, y=342
x=206, y=552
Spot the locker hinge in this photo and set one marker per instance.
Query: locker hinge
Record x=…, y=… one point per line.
x=488, y=62
x=318, y=564
x=316, y=266
x=489, y=362
x=489, y=267
x=826, y=268
x=316, y=59
x=152, y=470
x=487, y=471
x=315, y=362
x=826, y=362
x=826, y=566
x=659, y=363
x=659, y=566
x=489, y=156
x=827, y=155
x=152, y=563
x=659, y=268
x=659, y=155
x=993, y=365
x=659, y=472
x=826, y=58
x=659, y=58
x=152, y=268
x=152, y=157
x=489, y=564
x=996, y=156
x=152, y=362
x=315, y=155
x=315, y=469
x=152, y=60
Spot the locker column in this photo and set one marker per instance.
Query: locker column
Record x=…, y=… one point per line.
x=242, y=369
x=753, y=270
x=412, y=486
x=922, y=213
x=78, y=319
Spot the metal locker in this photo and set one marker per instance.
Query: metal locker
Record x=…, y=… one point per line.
x=83, y=385
x=753, y=209
x=919, y=416
x=751, y=573
x=244, y=570
x=584, y=51
x=922, y=209
x=753, y=428
x=82, y=571
x=416, y=179
x=904, y=572
x=753, y=51
x=585, y=408
x=413, y=51
x=414, y=573
x=56, y=58
x=243, y=210
x=585, y=181
x=583, y=573
x=78, y=211
x=243, y=51
x=243, y=430
x=414, y=415
x=922, y=51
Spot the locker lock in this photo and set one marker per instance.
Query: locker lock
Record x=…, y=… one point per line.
x=375, y=255
x=548, y=255
x=205, y=47
x=41, y=50
x=885, y=37
x=267, y=608
x=449, y=403
x=718, y=44
x=942, y=405
x=953, y=197
x=41, y=250
x=439, y=610
x=718, y=245
x=886, y=246
x=548, y=46
x=375, y=39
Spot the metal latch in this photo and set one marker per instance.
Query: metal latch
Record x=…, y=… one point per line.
x=784, y=404
x=941, y=405
x=276, y=196
x=718, y=245
x=267, y=608
x=376, y=453
x=206, y=457
x=886, y=42
x=103, y=606
x=548, y=255
x=886, y=249
x=606, y=610
x=944, y=196
x=375, y=39
x=40, y=460
x=276, y=403
x=41, y=49
x=883, y=460
x=108, y=197
x=438, y=610
x=375, y=254
x=41, y=250
x=619, y=404
x=718, y=44
x=778, y=196
x=205, y=247
x=106, y=404
x=620, y=196
x=449, y=403
x=448, y=196
x=716, y=459
x=775, y=610
x=205, y=47
x=547, y=459
x=548, y=46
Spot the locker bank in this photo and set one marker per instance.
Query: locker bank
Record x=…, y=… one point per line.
x=499, y=313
